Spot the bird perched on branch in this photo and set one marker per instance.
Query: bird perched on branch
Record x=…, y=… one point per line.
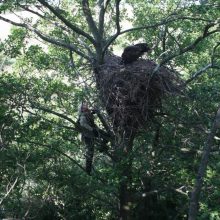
x=132, y=53
x=86, y=120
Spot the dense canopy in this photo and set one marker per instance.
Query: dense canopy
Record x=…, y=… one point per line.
x=154, y=147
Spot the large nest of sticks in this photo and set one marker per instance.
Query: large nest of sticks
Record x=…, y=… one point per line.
x=131, y=93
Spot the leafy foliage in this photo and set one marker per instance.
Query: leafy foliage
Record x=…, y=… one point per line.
x=41, y=155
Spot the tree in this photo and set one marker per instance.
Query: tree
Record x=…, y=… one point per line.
x=134, y=168
x=202, y=168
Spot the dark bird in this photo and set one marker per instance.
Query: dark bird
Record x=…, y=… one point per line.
x=86, y=120
x=132, y=53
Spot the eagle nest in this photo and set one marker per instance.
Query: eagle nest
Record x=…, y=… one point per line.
x=131, y=93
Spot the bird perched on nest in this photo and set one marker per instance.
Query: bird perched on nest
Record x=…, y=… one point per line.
x=132, y=53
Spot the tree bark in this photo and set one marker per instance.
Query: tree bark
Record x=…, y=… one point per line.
x=194, y=200
x=126, y=177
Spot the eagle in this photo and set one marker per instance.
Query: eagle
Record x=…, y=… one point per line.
x=86, y=120
x=91, y=134
x=132, y=53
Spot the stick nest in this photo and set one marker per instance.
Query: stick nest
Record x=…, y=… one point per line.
x=131, y=93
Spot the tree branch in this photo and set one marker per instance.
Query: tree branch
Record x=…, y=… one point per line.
x=13, y=22
x=101, y=17
x=194, y=200
x=67, y=23
x=77, y=127
x=26, y=8
x=214, y=55
x=8, y=192
x=189, y=47
x=47, y=38
x=167, y=20
x=198, y=73
x=114, y=36
x=36, y=106
x=164, y=38
x=117, y=20
x=60, y=152
x=211, y=65
x=44, y=17
x=104, y=123
x=103, y=7
x=92, y=26
x=60, y=43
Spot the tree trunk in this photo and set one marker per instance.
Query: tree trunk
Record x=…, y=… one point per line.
x=125, y=212
x=194, y=200
x=126, y=177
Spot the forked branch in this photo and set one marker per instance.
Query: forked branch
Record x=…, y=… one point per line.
x=92, y=25
x=206, y=33
x=46, y=38
x=68, y=23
